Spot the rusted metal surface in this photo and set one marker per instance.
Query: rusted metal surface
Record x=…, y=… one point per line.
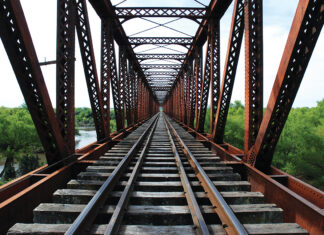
x=233, y=52
x=18, y=44
x=215, y=70
x=182, y=41
x=131, y=12
x=90, y=69
x=253, y=25
x=66, y=13
x=177, y=57
x=304, y=32
x=107, y=69
x=210, y=76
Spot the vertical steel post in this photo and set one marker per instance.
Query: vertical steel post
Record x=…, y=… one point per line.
x=108, y=68
x=65, y=51
x=253, y=71
x=90, y=70
x=122, y=82
x=233, y=53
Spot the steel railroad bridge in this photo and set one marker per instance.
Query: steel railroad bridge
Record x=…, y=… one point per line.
x=160, y=172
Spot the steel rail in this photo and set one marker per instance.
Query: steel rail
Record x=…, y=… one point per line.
x=87, y=216
x=196, y=214
x=230, y=222
x=117, y=216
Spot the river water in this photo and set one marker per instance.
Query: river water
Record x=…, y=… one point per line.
x=86, y=137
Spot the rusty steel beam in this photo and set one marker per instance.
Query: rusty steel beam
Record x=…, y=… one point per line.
x=178, y=57
x=193, y=94
x=211, y=74
x=108, y=68
x=302, y=38
x=190, y=91
x=215, y=71
x=233, y=53
x=159, y=73
x=182, y=41
x=65, y=52
x=128, y=94
x=161, y=66
x=133, y=12
x=199, y=80
x=90, y=70
x=160, y=78
x=122, y=83
x=18, y=44
x=253, y=25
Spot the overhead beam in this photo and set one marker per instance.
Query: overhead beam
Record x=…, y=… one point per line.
x=161, y=73
x=302, y=38
x=183, y=41
x=160, y=66
x=160, y=78
x=132, y=12
x=19, y=46
x=178, y=57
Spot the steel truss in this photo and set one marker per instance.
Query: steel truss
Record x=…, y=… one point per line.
x=90, y=71
x=182, y=41
x=66, y=19
x=253, y=71
x=232, y=57
x=161, y=66
x=190, y=13
x=178, y=57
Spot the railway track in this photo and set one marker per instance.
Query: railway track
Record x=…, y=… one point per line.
x=158, y=180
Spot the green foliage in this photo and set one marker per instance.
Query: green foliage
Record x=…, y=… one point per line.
x=17, y=130
x=234, y=130
x=299, y=151
x=28, y=163
x=9, y=170
x=83, y=118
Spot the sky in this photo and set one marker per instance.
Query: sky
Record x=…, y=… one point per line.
x=278, y=16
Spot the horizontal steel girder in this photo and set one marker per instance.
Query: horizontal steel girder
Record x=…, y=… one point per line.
x=161, y=66
x=179, y=57
x=167, y=73
x=183, y=41
x=132, y=12
x=160, y=78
